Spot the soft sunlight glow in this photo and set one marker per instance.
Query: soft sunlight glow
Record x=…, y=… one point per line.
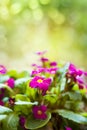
x=45, y=2
x=16, y=8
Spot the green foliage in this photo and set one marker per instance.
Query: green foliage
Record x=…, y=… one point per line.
x=62, y=79
x=32, y=123
x=10, y=122
x=3, y=78
x=72, y=116
x=4, y=110
x=45, y=97
x=2, y=117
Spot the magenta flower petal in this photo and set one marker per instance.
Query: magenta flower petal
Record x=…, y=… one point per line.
x=79, y=80
x=85, y=73
x=10, y=82
x=1, y=103
x=43, y=108
x=52, y=70
x=53, y=63
x=44, y=59
x=74, y=71
x=81, y=86
x=22, y=122
x=11, y=101
x=40, y=82
x=2, y=69
x=34, y=72
x=41, y=53
x=39, y=112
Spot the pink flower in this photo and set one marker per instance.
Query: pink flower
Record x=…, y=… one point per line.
x=34, y=65
x=74, y=71
x=2, y=69
x=1, y=103
x=41, y=52
x=76, y=75
x=22, y=122
x=52, y=70
x=10, y=82
x=34, y=72
x=44, y=59
x=11, y=101
x=37, y=71
x=39, y=112
x=53, y=63
x=40, y=82
x=68, y=128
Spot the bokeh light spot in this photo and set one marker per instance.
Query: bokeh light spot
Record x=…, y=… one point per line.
x=44, y=2
x=4, y=13
x=38, y=14
x=16, y=8
x=33, y=4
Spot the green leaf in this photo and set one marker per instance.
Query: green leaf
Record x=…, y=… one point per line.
x=62, y=78
x=2, y=85
x=12, y=73
x=84, y=114
x=23, y=74
x=6, y=87
x=2, y=117
x=74, y=105
x=4, y=110
x=11, y=122
x=24, y=106
x=31, y=92
x=62, y=84
x=21, y=81
x=50, y=98
x=21, y=97
x=26, y=103
x=64, y=70
x=72, y=116
x=32, y=123
x=73, y=95
x=3, y=78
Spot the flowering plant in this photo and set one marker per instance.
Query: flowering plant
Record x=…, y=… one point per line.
x=53, y=97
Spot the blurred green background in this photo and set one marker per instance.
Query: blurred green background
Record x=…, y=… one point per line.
x=58, y=26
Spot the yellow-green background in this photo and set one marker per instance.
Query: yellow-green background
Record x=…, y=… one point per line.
x=58, y=26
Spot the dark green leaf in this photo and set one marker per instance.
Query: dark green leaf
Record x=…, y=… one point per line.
x=11, y=122
x=72, y=116
x=2, y=117
x=3, y=78
x=4, y=110
x=73, y=95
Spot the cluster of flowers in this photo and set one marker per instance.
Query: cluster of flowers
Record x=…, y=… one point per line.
x=43, y=79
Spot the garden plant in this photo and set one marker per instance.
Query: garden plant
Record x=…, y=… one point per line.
x=52, y=97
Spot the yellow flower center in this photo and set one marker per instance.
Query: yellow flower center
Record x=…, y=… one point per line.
x=39, y=80
x=39, y=112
